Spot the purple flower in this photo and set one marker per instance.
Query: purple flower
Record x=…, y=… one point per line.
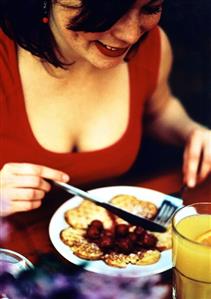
x=93, y=286
x=62, y=283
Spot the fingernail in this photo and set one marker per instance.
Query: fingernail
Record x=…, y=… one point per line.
x=191, y=183
x=65, y=177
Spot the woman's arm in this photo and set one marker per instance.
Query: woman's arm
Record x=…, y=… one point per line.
x=167, y=119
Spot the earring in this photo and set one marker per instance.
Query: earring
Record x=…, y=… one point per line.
x=45, y=18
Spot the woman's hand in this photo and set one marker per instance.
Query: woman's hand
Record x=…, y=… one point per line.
x=197, y=156
x=23, y=186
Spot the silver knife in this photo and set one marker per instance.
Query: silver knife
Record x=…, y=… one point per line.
x=129, y=217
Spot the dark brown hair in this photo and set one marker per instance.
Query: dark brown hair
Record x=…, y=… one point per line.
x=21, y=20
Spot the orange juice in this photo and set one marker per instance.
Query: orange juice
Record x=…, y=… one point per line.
x=191, y=257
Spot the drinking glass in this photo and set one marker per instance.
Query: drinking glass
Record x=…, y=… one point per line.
x=13, y=263
x=192, y=252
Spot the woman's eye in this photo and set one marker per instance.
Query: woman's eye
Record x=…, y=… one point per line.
x=149, y=10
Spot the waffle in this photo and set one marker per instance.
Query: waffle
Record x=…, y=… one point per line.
x=74, y=238
x=71, y=235
x=121, y=260
x=81, y=216
x=87, y=250
x=118, y=260
x=148, y=257
x=134, y=205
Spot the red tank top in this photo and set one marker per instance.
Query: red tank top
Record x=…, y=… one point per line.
x=18, y=144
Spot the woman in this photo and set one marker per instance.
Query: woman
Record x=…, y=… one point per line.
x=77, y=79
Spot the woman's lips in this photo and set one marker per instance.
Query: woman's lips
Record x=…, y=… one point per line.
x=110, y=51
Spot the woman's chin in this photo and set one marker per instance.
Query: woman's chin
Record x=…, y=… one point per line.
x=107, y=63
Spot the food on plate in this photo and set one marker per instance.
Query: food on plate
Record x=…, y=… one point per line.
x=96, y=234
x=121, y=260
x=134, y=205
x=74, y=238
x=81, y=216
x=164, y=239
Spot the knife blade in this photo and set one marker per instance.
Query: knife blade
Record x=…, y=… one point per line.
x=129, y=217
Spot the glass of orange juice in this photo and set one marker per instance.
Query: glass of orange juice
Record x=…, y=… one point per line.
x=192, y=252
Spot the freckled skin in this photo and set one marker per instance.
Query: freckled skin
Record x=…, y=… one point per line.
x=77, y=46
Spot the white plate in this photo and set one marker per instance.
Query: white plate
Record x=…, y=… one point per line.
x=58, y=223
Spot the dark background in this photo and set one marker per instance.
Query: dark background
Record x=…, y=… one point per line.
x=188, y=26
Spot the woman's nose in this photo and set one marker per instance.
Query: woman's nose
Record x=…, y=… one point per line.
x=127, y=29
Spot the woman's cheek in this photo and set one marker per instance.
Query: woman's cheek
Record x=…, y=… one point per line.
x=148, y=22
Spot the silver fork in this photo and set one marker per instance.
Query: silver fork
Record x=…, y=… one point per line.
x=167, y=208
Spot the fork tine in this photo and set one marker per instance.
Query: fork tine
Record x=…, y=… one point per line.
x=162, y=210
x=165, y=212
x=164, y=220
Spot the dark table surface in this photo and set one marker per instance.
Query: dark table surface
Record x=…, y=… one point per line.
x=28, y=233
